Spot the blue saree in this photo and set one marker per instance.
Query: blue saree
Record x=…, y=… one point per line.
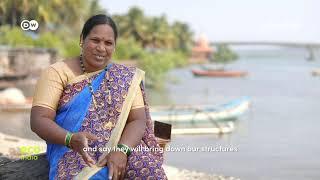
x=70, y=117
x=76, y=113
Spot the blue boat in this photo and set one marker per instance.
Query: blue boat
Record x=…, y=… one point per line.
x=201, y=114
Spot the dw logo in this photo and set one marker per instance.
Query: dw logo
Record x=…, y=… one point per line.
x=29, y=25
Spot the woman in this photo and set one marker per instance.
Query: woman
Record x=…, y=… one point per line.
x=85, y=107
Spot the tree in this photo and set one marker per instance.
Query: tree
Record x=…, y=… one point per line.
x=224, y=55
x=154, y=32
x=184, y=36
x=51, y=15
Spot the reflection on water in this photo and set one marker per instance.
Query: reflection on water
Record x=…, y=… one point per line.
x=277, y=138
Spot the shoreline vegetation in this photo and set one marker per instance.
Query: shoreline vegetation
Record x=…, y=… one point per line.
x=153, y=43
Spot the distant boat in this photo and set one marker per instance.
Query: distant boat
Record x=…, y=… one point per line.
x=219, y=73
x=204, y=113
x=316, y=72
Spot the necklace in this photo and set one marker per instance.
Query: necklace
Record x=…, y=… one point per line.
x=90, y=84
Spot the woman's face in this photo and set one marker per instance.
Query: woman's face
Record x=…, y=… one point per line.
x=98, y=47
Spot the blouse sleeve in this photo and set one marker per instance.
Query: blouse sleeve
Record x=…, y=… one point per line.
x=138, y=100
x=48, y=89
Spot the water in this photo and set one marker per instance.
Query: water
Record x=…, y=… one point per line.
x=276, y=139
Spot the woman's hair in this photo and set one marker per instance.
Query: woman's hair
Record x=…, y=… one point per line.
x=97, y=20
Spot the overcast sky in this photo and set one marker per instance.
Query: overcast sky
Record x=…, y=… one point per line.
x=253, y=20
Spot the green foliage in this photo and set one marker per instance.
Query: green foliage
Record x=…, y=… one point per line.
x=14, y=37
x=224, y=55
x=156, y=65
x=156, y=44
x=127, y=49
x=52, y=14
x=154, y=32
x=71, y=48
x=48, y=40
x=179, y=58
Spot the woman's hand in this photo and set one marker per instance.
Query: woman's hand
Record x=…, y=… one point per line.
x=79, y=141
x=116, y=162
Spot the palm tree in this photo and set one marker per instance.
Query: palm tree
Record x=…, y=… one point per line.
x=154, y=32
x=54, y=13
x=183, y=34
x=133, y=24
x=161, y=35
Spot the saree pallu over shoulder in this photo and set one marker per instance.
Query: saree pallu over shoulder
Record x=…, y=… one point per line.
x=88, y=172
x=69, y=117
x=76, y=113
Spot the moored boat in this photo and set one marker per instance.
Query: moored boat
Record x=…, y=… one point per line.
x=201, y=113
x=219, y=73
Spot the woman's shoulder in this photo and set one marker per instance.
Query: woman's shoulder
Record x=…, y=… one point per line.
x=54, y=68
x=61, y=70
x=58, y=65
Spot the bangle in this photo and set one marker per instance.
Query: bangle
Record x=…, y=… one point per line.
x=67, y=139
x=124, y=148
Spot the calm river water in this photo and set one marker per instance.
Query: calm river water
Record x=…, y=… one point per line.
x=277, y=138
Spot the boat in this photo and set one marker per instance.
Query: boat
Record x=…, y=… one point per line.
x=218, y=73
x=201, y=113
x=201, y=119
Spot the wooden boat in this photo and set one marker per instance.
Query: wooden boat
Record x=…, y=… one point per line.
x=316, y=72
x=202, y=119
x=201, y=114
x=219, y=73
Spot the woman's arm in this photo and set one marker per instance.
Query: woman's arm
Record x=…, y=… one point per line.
x=42, y=123
x=135, y=128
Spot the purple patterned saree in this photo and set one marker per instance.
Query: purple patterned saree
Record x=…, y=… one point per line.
x=77, y=113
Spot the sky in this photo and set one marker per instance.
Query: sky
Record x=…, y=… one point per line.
x=236, y=20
